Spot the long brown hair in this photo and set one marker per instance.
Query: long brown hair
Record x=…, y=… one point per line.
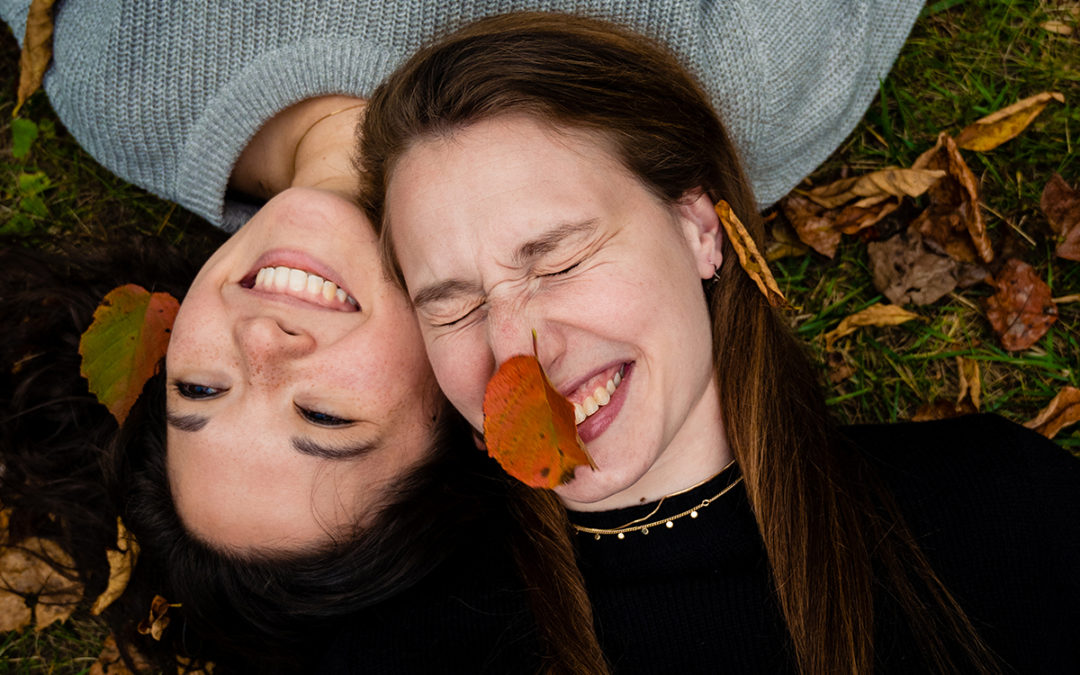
x=831, y=532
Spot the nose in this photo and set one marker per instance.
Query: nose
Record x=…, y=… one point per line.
x=266, y=344
x=511, y=325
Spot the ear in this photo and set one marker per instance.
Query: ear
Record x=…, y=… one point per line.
x=701, y=227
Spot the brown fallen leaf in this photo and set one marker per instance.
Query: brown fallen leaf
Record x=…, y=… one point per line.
x=954, y=201
x=1063, y=411
x=158, y=620
x=749, y=257
x=1061, y=204
x=783, y=242
x=839, y=367
x=121, y=563
x=872, y=188
x=906, y=271
x=1022, y=310
x=874, y=315
x=970, y=382
x=811, y=223
x=854, y=218
x=110, y=662
x=941, y=409
x=31, y=590
x=991, y=131
x=36, y=50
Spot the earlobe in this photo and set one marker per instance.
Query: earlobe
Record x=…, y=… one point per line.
x=701, y=227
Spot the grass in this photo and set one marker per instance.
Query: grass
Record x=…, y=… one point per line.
x=963, y=60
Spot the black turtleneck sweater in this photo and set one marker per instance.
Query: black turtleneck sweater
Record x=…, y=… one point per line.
x=995, y=508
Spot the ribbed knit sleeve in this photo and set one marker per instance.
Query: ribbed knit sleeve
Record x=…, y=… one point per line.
x=167, y=94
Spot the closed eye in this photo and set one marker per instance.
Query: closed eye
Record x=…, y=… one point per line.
x=561, y=272
x=197, y=392
x=455, y=322
x=322, y=419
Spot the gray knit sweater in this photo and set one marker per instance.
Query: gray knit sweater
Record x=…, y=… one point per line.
x=166, y=93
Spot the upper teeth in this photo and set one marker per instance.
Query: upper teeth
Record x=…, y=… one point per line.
x=282, y=278
x=597, y=399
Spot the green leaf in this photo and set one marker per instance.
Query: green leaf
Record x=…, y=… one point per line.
x=32, y=184
x=23, y=134
x=121, y=348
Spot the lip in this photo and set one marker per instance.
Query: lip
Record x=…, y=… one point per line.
x=296, y=260
x=598, y=422
x=570, y=387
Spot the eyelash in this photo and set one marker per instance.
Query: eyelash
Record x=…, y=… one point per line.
x=191, y=391
x=322, y=419
x=561, y=272
x=450, y=324
x=200, y=392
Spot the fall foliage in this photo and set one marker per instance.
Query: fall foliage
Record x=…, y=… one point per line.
x=529, y=427
x=123, y=345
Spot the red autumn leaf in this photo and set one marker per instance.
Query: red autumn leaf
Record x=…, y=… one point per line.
x=529, y=426
x=1022, y=310
x=1061, y=204
x=123, y=345
x=954, y=204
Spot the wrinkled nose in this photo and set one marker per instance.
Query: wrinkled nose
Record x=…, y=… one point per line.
x=266, y=345
x=510, y=329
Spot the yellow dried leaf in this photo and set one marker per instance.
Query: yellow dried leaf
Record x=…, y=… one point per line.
x=186, y=666
x=749, y=257
x=970, y=382
x=1059, y=27
x=1063, y=411
x=36, y=50
x=994, y=129
x=874, y=315
x=121, y=563
x=25, y=574
x=873, y=187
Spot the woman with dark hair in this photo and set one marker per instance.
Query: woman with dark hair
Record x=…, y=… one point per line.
x=728, y=525
x=260, y=576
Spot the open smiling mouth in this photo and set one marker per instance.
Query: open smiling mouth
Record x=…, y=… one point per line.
x=599, y=398
x=302, y=285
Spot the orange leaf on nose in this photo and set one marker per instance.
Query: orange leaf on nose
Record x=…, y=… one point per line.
x=529, y=426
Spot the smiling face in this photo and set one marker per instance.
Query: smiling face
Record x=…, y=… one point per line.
x=298, y=388
x=506, y=227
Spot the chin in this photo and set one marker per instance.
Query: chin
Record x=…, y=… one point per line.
x=589, y=488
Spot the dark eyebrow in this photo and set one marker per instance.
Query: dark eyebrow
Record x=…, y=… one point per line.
x=313, y=449
x=445, y=289
x=550, y=240
x=191, y=423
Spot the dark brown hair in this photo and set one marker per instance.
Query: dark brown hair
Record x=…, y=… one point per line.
x=69, y=471
x=831, y=532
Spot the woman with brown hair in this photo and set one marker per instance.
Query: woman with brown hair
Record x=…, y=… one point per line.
x=549, y=175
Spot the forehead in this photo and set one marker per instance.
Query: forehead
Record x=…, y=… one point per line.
x=495, y=182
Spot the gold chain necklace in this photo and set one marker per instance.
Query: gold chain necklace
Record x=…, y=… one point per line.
x=637, y=526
